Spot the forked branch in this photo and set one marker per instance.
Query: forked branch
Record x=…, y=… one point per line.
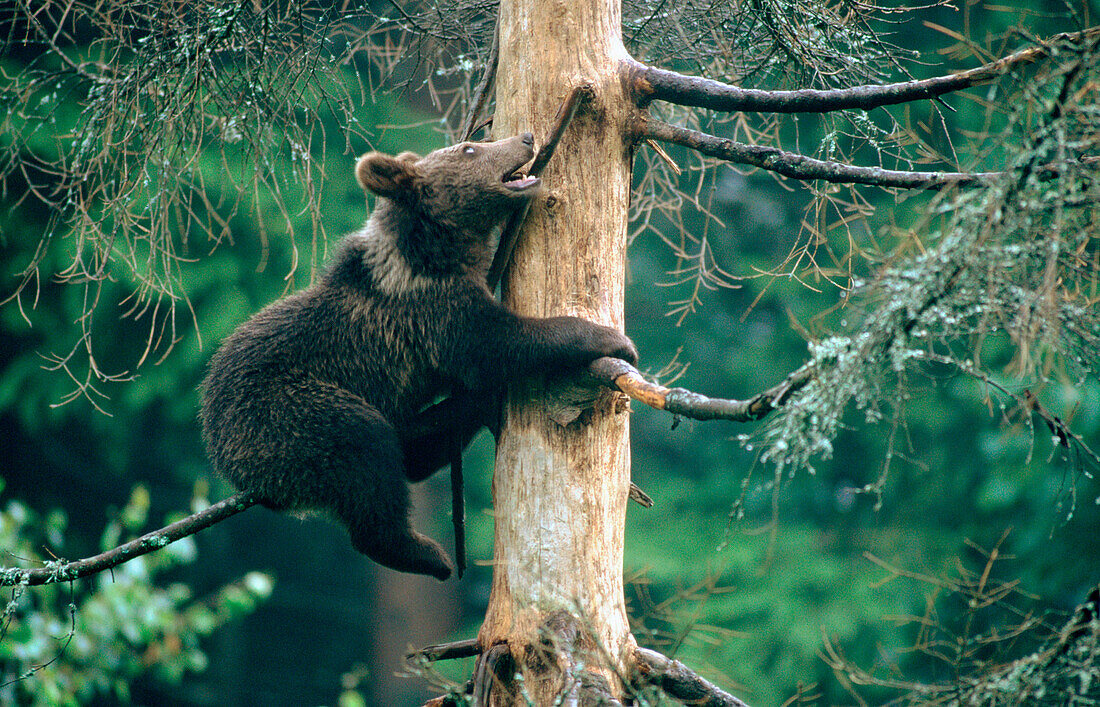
x=650, y=84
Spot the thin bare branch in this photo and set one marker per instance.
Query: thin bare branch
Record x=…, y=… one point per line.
x=511, y=229
x=651, y=83
x=680, y=682
x=458, y=506
x=155, y=540
x=481, y=94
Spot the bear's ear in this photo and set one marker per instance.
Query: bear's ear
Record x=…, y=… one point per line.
x=385, y=175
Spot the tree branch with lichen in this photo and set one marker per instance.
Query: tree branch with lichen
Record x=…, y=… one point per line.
x=796, y=166
x=61, y=571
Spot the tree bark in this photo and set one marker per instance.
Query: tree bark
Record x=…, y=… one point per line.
x=560, y=493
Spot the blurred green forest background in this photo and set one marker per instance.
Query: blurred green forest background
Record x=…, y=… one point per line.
x=267, y=609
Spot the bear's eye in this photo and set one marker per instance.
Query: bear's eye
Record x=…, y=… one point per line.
x=469, y=149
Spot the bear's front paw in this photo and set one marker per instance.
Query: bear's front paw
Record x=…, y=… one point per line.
x=605, y=341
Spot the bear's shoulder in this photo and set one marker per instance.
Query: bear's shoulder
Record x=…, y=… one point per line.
x=375, y=261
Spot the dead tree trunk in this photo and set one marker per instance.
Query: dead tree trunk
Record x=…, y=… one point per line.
x=560, y=492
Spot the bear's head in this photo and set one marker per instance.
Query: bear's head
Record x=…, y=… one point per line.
x=469, y=185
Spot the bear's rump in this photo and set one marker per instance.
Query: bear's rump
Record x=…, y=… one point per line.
x=302, y=444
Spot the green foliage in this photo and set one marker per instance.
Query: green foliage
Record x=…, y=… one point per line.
x=66, y=644
x=966, y=340
x=1008, y=269
x=148, y=135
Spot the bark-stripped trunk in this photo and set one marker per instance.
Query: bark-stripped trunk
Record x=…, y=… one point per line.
x=560, y=493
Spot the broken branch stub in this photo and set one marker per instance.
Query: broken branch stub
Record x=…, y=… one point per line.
x=619, y=374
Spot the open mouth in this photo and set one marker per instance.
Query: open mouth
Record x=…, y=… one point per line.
x=519, y=180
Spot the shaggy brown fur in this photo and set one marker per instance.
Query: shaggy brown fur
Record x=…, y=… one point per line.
x=304, y=404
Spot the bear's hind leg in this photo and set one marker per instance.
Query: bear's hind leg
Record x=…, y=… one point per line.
x=379, y=528
x=448, y=427
x=371, y=498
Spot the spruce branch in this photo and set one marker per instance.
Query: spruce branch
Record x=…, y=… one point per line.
x=67, y=571
x=796, y=166
x=651, y=83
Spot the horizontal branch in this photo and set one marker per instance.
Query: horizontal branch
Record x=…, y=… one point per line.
x=796, y=166
x=446, y=651
x=68, y=571
x=619, y=374
x=680, y=682
x=612, y=372
x=651, y=84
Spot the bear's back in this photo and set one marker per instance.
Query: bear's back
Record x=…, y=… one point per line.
x=382, y=348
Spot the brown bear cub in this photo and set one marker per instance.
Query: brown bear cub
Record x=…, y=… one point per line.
x=304, y=405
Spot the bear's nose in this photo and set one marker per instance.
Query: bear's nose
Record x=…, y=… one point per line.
x=528, y=139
